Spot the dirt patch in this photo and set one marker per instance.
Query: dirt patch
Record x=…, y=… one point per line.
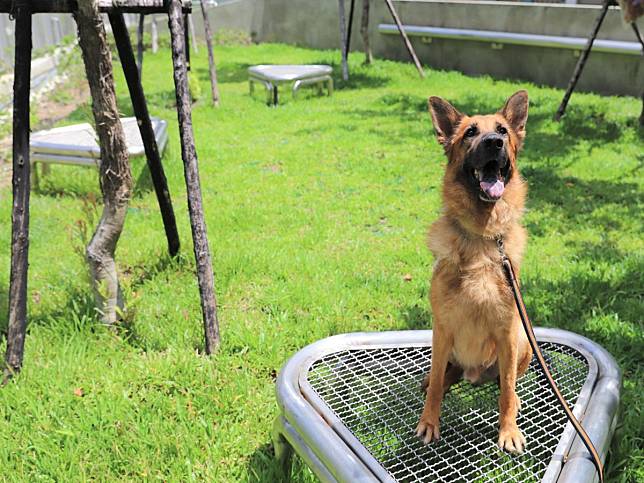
x=51, y=108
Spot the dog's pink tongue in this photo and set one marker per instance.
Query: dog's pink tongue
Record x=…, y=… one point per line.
x=494, y=189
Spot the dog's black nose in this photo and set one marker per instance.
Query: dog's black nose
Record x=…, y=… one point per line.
x=493, y=142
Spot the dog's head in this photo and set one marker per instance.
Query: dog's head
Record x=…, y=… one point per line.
x=481, y=150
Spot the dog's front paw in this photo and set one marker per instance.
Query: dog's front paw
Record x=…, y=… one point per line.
x=511, y=439
x=427, y=430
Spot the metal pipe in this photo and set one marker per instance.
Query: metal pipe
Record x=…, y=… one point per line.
x=534, y=40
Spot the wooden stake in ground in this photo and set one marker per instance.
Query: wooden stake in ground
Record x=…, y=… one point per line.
x=581, y=62
x=403, y=34
x=186, y=38
x=155, y=36
x=641, y=41
x=214, y=88
x=124, y=46
x=352, y=7
x=364, y=30
x=205, y=274
x=115, y=175
x=191, y=24
x=139, y=43
x=343, y=40
x=21, y=185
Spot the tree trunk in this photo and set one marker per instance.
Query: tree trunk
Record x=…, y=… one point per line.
x=214, y=88
x=205, y=275
x=115, y=175
x=20, y=209
x=364, y=30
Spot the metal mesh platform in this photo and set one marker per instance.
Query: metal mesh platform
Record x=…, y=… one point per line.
x=368, y=395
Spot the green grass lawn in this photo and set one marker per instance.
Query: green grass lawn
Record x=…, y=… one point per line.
x=316, y=211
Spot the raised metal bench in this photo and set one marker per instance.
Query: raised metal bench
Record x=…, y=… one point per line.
x=350, y=403
x=494, y=37
x=77, y=144
x=271, y=76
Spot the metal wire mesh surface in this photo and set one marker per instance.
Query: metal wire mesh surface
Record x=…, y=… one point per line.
x=376, y=394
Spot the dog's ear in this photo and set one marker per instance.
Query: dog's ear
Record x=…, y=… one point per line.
x=445, y=118
x=515, y=112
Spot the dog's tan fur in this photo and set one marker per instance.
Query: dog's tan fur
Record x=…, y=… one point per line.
x=477, y=328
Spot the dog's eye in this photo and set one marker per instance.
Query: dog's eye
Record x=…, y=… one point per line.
x=501, y=130
x=471, y=132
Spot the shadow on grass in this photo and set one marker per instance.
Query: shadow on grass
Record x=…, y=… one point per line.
x=143, y=183
x=232, y=72
x=227, y=72
x=577, y=201
x=357, y=80
x=78, y=309
x=605, y=285
x=264, y=467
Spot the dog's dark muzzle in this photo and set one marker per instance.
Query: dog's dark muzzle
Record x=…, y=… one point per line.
x=490, y=167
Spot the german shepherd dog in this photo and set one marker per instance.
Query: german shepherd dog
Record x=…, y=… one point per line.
x=477, y=330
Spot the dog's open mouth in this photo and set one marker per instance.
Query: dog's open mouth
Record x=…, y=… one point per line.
x=491, y=180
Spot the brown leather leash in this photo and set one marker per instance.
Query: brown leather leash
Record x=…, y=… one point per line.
x=518, y=299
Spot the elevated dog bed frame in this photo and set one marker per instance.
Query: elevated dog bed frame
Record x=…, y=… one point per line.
x=77, y=144
x=350, y=403
x=271, y=76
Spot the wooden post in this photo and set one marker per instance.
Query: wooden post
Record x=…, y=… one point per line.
x=124, y=46
x=638, y=35
x=139, y=44
x=214, y=88
x=343, y=40
x=350, y=27
x=403, y=34
x=205, y=274
x=581, y=62
x=191, y=24
x=364, y=30
x=21, y=186
x=186, y=38
x=641, y=41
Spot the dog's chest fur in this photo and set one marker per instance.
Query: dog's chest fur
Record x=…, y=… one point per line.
x=470, y=289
